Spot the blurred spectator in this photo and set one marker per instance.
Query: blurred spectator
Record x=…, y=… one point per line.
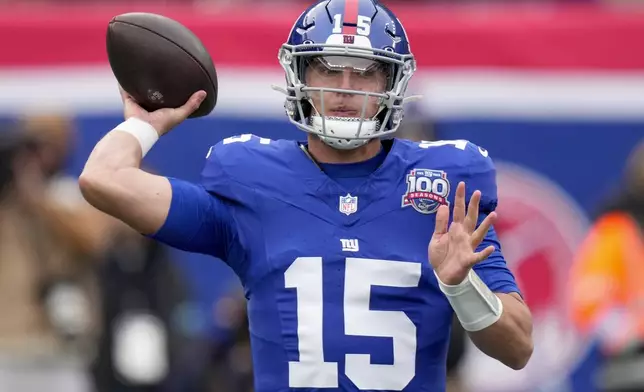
x=148, y=343
x=83, y=227
x=608, y=282
x=49, y=238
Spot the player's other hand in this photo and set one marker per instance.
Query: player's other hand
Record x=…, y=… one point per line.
x=163, y=120
x=452, y=247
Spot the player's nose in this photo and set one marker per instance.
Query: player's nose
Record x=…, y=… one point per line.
x=347, y=80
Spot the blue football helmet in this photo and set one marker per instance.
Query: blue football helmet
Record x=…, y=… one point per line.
x=343, y=53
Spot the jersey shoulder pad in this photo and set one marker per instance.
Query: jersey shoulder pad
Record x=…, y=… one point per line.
x=460, y=153
x=465, y=161
x=244, y=159
x=236, y=149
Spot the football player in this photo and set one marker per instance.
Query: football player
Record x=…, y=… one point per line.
x=354, y=251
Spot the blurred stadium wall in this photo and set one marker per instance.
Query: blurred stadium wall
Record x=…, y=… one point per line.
x=555, y=94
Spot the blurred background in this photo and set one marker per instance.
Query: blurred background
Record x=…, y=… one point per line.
x=553, y=89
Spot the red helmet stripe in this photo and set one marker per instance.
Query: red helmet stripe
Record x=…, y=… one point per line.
x=350, y=16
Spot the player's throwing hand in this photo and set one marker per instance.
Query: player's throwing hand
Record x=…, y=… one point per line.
x=452, y=250
x=163, y=120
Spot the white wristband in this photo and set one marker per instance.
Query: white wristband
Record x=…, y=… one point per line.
x=475, y=305
x=143, y=131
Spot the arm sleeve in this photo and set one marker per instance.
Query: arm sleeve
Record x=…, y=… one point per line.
x=494, y=271
x=198, y=221
x=481, y=175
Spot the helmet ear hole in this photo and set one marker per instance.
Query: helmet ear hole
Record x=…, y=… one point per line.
x=306, y=109
x=381, y=118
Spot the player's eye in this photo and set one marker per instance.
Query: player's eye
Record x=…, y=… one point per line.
x=367, y=74
x=331, y=72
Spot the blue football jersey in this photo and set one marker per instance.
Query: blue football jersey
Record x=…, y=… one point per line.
x=340, y=293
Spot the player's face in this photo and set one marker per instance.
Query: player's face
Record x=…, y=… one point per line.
x=349, y=74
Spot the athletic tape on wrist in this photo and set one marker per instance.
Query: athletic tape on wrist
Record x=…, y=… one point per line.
x=143, y=131
x=475, y=305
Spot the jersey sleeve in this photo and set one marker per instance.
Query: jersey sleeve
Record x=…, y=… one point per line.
x=480, y=174
x=494, y=271
x=198, y=222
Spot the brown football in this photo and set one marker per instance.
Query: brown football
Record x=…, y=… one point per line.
x=160, y=62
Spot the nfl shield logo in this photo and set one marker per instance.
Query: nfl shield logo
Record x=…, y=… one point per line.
x=348, y=204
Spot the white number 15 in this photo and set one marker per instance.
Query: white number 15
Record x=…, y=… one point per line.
x=363, y=25
x=311, y=371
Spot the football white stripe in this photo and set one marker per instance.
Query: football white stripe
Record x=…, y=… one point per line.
x=448, y=93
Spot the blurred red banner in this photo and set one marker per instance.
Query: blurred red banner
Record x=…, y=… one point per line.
x=555, y=38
